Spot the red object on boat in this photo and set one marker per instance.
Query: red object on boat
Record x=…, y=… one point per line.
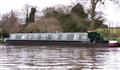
x=114, y=44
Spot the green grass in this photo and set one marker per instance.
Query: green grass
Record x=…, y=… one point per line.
x=111, y=33
x=115, y=31
x=112, y=30
x=118, y=39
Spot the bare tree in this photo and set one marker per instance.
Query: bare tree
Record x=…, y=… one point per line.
x=10, y=22
x=26, y=12
x=92, y=5
x=27, y=9
x=44, y=24
x=93, y=12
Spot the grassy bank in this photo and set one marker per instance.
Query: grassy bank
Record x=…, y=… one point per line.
x=111, y=33
x=110, y=30
x=118, y=39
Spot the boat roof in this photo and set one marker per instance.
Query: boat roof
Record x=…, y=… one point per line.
x=53, y=33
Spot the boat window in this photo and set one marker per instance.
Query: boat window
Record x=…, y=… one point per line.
x=80, y=36
x=39, y=37
x=54, y=36
x=35, y=37
x=30, y=37
x=18, y=37
x=64, y=36
x=49, y=37
x=43, y=37
x=70, y=36
x=27, y=37
x=60, y=37
x=86, y=37
x=12, y=36
x=76, y=36
x=83, y=37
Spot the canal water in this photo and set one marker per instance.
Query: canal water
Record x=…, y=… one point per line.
x=58, y=58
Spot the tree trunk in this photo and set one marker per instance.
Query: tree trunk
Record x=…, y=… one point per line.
x=93, y=3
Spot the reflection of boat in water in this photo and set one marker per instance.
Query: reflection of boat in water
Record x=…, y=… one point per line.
x=70, y=39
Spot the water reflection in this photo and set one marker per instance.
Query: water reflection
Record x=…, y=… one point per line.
x=58, y=58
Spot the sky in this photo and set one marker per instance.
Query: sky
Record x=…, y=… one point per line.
x=7, y=5
x=111, y=12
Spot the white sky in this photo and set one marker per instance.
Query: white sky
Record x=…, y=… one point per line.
x=112, y=13
x=7, y=5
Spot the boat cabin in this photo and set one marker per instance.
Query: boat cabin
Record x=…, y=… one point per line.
x=50, y=36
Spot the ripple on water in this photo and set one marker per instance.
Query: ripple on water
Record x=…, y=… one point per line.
x=58, y=58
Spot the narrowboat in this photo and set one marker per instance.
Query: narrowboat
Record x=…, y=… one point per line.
x=82, y=39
